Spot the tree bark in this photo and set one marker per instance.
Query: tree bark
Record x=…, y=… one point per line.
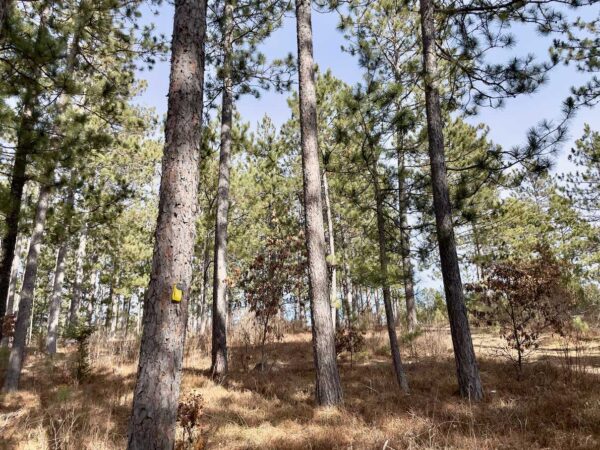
x=26, y=143
x=109, y=307
x=12, y=304
x=220, y=310
x=328, y=387
x=17, y=353
x=95, y=282
x=331, y=256
x=387, y=294
x=156, y=394
x=407, y=267
x=466, y=365
x=20, y=254
x=77, y=286
x=59, y=275
x=202, y=314
x=348, y=300
x=54, y=311
x=5, y=6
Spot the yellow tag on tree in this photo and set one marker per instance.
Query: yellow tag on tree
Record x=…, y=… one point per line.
x=177, y=294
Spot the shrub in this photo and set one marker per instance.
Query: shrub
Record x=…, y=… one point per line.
x=349, y=339
x=526, y=298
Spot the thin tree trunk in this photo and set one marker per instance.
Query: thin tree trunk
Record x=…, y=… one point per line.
x=93, y=319
x=466, y=365
x=387, y=295
x=331, y=256
x=26, y=144
x=328, y=387
x=15, y=272
x=156, y=394
x=77, y=286
x=377, y=307
x=127, y=313
x=5, y=6
x=59, y=275
x=17, y=353
x=478, y=255
x=13, y=296
x=109, y=306
x=407, y=267
x=114, y=326
x=202, y=313
x=220, y=310
x=348, y=301
x=54, y=312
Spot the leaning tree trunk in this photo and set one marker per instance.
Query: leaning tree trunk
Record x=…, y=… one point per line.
x=466, y=365
x=328, y=387
x=11, y=305
x=220, y=310
x=78, y=285
x=26, y=144
x=387, y=294
x=17, y=353
x=20, y=254
x=408, y=276
x=156, y=394
x=54, y=312
x=331, y=256
x=59, y=276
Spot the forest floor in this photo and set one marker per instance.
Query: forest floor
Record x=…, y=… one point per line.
x=555, y=403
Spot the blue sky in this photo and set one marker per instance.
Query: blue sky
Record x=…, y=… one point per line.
x=508, y=125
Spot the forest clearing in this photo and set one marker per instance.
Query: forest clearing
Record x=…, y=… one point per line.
x=554, y=405
x=299, y=224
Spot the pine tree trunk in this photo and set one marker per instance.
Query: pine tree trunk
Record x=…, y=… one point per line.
x=77, y=286
x=15, y=272
x=93, y=318
x=17, y=353
x=466, y=365
x=377, y=307
x=109, y=306
x=331, y=256
x=407, y=267
x=328, y=387
x=348, y=301
x=220, y=310
x=203, y=316
x=13, y=297
x=4, y=8
x=387, y=294
x=156, y=393
x=54, y=311
x=114, y=326
x=26, y=144
x=59, y=275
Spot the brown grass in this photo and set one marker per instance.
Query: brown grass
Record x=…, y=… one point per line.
x=556, y=404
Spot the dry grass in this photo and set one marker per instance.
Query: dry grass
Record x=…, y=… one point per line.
x=556, y=404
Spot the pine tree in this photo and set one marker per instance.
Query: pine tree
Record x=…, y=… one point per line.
x=242, y=26
x=156, y=394
x=328, y=388
x=17, y=353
